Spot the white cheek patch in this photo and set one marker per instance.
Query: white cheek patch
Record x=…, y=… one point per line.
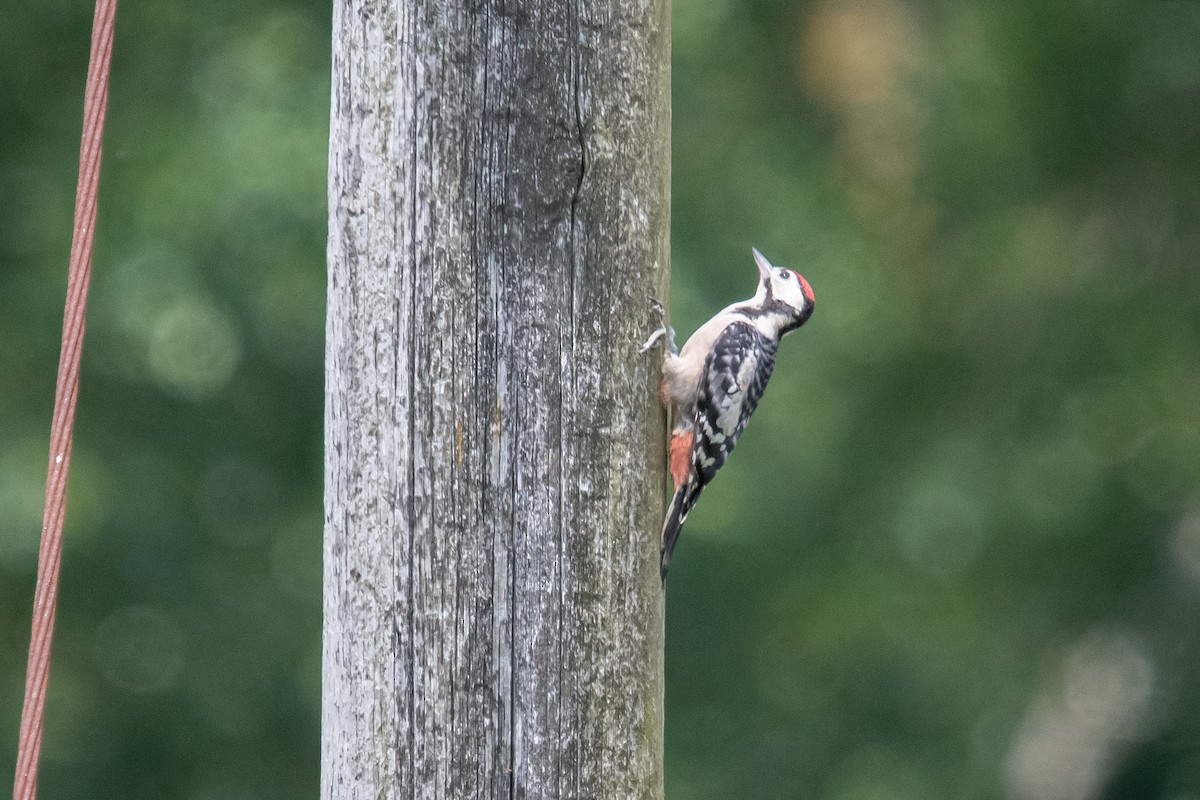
x=790, y=292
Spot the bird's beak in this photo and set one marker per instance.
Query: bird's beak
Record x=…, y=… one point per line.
x=764, y=266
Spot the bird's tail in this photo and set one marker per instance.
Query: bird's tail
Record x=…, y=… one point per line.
x=681, y=504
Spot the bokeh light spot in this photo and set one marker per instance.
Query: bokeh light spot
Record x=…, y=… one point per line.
x=140, y=648
x=858, y=53
x=194, y=349
x=1184, y=545
x=1077, y=726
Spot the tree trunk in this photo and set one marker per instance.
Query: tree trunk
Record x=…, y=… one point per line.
x=499, y=182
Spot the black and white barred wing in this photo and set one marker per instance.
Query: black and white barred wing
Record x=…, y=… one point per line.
x=735, y=374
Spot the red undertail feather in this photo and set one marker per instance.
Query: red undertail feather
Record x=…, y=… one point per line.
x=686, y=491
x=681, y=456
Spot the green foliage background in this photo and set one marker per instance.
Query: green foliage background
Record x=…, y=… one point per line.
x=958, y=552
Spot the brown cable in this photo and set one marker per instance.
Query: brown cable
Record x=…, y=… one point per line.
x=45, y=598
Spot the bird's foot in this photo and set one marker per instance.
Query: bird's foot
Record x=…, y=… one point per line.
x=663, y=331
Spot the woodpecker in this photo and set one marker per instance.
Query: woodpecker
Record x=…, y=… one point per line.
x=712, y=386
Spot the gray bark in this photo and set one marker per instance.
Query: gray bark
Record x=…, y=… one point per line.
x=499, y=182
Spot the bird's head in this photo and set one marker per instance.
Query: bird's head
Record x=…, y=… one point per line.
x=783, y=292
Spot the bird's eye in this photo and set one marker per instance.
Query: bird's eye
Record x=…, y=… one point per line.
x=785, y=274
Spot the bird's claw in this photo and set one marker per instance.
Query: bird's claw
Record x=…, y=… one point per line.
x=663, y=330
x=653, y=340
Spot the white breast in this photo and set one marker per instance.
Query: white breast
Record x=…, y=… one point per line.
x=681, y=373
